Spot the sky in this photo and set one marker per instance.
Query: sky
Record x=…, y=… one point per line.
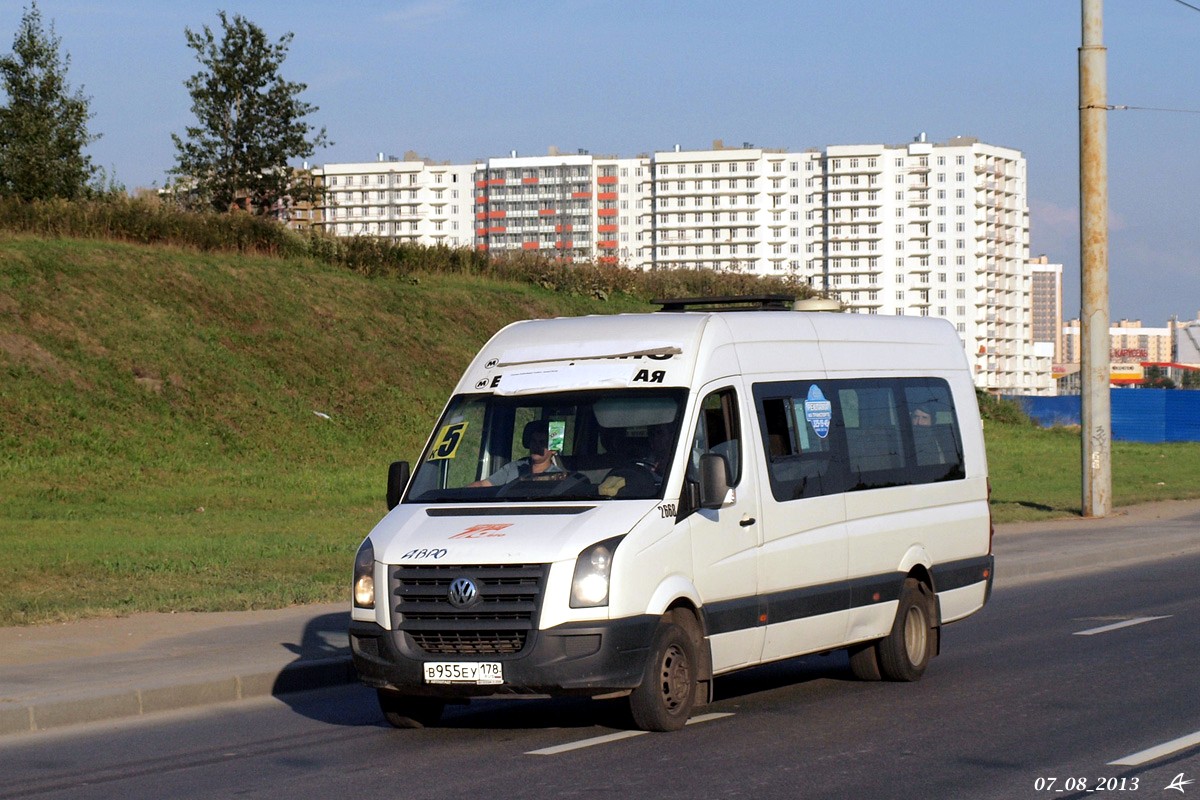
x=458, y=80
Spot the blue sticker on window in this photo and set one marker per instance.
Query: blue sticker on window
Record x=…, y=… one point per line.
x=818, y=411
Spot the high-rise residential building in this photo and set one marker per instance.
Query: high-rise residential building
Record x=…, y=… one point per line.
x=735, y=209
x=934, y=229
x=1046, y=294
x=571, y=207
x=413, y=200
x=922, y=228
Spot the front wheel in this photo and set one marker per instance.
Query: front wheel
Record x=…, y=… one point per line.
x=406, y=711
x=669, y=684
x=905, y=651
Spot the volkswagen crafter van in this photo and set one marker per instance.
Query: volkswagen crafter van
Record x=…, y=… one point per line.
x=632, y=505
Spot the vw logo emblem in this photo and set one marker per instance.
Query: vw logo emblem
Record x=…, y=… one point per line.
x=463, y=593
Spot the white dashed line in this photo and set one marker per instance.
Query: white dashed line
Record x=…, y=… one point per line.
x=1173, y=746
x=613, y=737
x=1118, y=625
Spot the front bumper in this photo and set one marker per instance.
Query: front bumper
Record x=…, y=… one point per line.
x=579, y=658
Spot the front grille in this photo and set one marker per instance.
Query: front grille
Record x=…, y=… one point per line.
x=498, y=623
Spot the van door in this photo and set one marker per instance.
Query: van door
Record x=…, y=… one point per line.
x=804, y=560
x=725, y=540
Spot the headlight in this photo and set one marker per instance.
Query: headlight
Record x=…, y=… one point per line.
x=589, y=587
x=364, y=576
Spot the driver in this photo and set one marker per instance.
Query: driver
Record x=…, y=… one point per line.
x=540, y=461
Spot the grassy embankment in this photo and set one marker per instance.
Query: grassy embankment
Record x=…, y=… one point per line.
x=159, y=448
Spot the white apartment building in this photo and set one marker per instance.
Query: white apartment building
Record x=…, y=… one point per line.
x=933, y=229
x=737, y=209
x=413, y=201
x=923, y=228
x=570, y=207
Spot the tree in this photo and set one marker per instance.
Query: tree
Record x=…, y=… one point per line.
x=43, y=126
x=1156, y=378
x=250, y=122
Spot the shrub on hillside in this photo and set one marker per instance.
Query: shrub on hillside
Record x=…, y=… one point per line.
x=148, y=221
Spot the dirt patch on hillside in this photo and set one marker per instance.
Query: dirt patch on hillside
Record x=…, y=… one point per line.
x=25, y=352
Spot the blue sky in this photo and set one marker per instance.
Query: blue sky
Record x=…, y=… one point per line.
x=456, y=80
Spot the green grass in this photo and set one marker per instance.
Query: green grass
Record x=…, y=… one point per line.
x=159, y=449
x=1036, y=473
x=140, y=385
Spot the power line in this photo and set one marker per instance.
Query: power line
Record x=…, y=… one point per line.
x=1189, y=5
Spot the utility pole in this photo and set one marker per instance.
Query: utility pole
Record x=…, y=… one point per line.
x=1096, y=434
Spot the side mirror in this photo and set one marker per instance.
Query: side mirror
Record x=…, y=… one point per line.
x=714, y=480
x=397, y=479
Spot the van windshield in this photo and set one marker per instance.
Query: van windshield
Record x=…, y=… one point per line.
x=595, y=445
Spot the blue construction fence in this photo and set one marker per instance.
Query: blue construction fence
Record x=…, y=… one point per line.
x=1138, y=415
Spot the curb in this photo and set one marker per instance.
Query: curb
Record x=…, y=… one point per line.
x=60, y=712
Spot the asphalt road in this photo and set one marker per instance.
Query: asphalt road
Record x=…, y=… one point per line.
x=1039, y=695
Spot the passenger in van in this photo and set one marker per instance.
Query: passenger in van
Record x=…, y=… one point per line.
x=922, y=416
x=659, y=439
x=642, y=474
x=928, y=443
x=540, y=461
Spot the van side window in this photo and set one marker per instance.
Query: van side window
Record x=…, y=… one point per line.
x=874, y=452
x=800, y=459
x=717, y=432
x=936, y=441
x=824, y=437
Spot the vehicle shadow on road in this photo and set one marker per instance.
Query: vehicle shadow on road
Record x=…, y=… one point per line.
x=792, y=672
x=322, y=660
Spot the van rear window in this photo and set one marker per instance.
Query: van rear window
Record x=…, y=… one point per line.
x=830, y=436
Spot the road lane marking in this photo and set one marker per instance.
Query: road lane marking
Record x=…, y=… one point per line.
x=709, y=717
x=1173, y=746
x=1118, y=625
x=569, y=746
x=614, y=737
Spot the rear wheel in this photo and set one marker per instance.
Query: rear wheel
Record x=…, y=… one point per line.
x=905, y=651
x=669, y=684
x=406, y=711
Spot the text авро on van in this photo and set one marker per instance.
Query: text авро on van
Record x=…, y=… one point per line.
x=634, y=504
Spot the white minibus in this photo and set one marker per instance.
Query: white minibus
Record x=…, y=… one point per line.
x=632, y=505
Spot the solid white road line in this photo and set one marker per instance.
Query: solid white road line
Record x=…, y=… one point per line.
x=1118, y=625
x=1174, y=746
x=613, y=737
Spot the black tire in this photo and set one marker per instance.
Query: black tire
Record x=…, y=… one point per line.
x=864, y=662
x=406, y=711
x=665, y=699
x=905, y=652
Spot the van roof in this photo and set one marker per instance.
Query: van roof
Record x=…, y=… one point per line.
x=628, y=349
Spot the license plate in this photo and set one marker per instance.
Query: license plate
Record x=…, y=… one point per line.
x=483, y=673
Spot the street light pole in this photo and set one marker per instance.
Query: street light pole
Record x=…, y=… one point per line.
x=1096, y=438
